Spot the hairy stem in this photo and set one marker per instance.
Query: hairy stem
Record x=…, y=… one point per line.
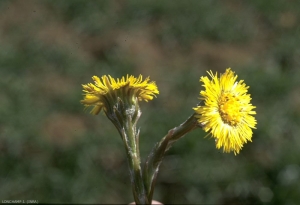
x=155, y=157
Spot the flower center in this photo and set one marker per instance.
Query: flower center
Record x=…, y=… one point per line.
x=230, y=109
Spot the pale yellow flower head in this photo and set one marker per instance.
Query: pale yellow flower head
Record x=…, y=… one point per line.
x=107, y=92
x=227, y=111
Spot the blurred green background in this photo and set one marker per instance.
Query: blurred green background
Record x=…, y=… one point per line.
x=54, y=152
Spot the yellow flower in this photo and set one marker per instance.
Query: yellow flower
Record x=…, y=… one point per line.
x=106, y=92
x=227, y=111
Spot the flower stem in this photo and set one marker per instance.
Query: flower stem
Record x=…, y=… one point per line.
x=125, y=116
x=155, y=157
x=130, y=137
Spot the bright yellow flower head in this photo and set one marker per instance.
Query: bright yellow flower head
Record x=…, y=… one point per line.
x=106, y=92
x=227, y=111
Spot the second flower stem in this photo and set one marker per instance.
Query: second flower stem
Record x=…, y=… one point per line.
x=156, y=155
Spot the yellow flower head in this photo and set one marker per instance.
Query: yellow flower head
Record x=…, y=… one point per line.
x=227, y=111
x=106, y=92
